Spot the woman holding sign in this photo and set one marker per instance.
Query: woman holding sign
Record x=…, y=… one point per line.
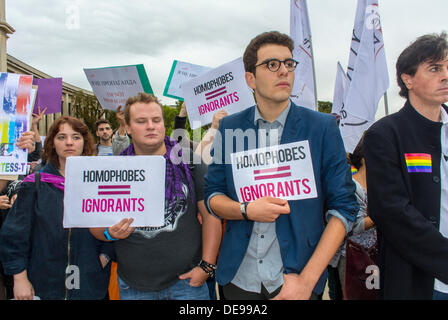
x=46, y=260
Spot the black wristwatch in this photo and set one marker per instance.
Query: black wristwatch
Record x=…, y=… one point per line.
x=243, y=208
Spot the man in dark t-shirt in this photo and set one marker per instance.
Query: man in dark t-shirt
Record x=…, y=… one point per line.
x=172, y=261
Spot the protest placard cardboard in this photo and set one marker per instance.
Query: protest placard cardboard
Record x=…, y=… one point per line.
x=15, y=114
x=283, y=171
x=114, y=85
x=101, y=191
x=49, y=95
x=180, y=73
x=223, y=88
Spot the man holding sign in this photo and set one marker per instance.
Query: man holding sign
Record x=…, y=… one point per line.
x=276, y=170
x=171, y=261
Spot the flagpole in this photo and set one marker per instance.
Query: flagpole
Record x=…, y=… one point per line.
x=314, y=74
x=386, y=104
x=312, y=58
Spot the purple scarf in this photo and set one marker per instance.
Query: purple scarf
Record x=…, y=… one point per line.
x=57, y=181
x=174, y=171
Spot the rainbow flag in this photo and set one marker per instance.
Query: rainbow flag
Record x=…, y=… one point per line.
x=354, y=170
x=418, y=162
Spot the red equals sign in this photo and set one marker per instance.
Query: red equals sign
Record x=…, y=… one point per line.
x=216, y=93
x=272, y=173
x=113, y=190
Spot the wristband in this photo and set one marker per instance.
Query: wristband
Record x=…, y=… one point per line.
x=107, y=235
x=207, y=267
x=243, y=209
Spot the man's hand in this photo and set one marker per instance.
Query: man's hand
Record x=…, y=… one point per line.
x=26, y=141
x=267, y=209
x=4, y=202
x=183, y=110
x=23, y=289
x=295, y=287
x=38, y=116
x=197, y=277
x=121, y=121
x=121, y=230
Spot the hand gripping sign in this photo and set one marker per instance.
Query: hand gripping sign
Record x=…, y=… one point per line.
x=223, y=88
x=283, y=171
x=101, y=191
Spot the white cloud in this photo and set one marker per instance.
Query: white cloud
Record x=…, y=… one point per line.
x=211, y=33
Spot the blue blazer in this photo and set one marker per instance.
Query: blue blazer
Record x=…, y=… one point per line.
x=299, y=232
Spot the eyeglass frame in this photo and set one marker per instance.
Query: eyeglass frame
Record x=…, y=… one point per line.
x=279, y=65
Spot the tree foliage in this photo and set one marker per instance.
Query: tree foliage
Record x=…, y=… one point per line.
x=88, y=109
x=324, y=106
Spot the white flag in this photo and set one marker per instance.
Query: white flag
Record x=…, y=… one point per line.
x=303, y=93
x=340, y=86
x=367, y=73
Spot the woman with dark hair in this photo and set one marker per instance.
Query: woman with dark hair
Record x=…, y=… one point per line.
x=363, y=232
x=45, y=259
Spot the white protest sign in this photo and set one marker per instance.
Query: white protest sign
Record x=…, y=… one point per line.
x=223, y=88
x=114, y=85
x=180, y=73
x=101, y=191
x=282, y=171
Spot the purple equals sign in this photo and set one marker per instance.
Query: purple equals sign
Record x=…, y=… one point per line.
x=114, y=190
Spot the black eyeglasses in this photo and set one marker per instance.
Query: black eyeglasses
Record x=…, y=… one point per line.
x=274, y=64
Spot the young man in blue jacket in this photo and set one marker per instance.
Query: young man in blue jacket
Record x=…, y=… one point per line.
x=274, y=248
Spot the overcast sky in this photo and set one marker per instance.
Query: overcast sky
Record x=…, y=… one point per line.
x=209, y=33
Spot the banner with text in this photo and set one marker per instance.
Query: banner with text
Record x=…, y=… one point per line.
x=223, y=88
x=282, y=171
x=105, y=190
x=180, y=73
x=17, y=96
x=114, y=85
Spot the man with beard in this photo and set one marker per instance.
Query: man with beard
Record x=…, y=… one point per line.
x=104, y=134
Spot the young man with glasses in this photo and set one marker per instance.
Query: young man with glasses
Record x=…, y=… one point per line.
x=273, y=248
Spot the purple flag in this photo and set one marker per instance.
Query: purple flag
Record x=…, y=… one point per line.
x=49, y=95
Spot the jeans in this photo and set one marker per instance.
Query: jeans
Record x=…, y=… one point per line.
x=181, y=290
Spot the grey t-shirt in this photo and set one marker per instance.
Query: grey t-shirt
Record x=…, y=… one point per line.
x=105, y=150
x=151, y=259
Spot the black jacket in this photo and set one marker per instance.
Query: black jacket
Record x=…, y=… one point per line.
x=405, y=206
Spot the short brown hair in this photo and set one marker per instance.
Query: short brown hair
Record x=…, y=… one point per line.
x=50, y=155
x=250, y=56
x=101, y=121
x=142, y=97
